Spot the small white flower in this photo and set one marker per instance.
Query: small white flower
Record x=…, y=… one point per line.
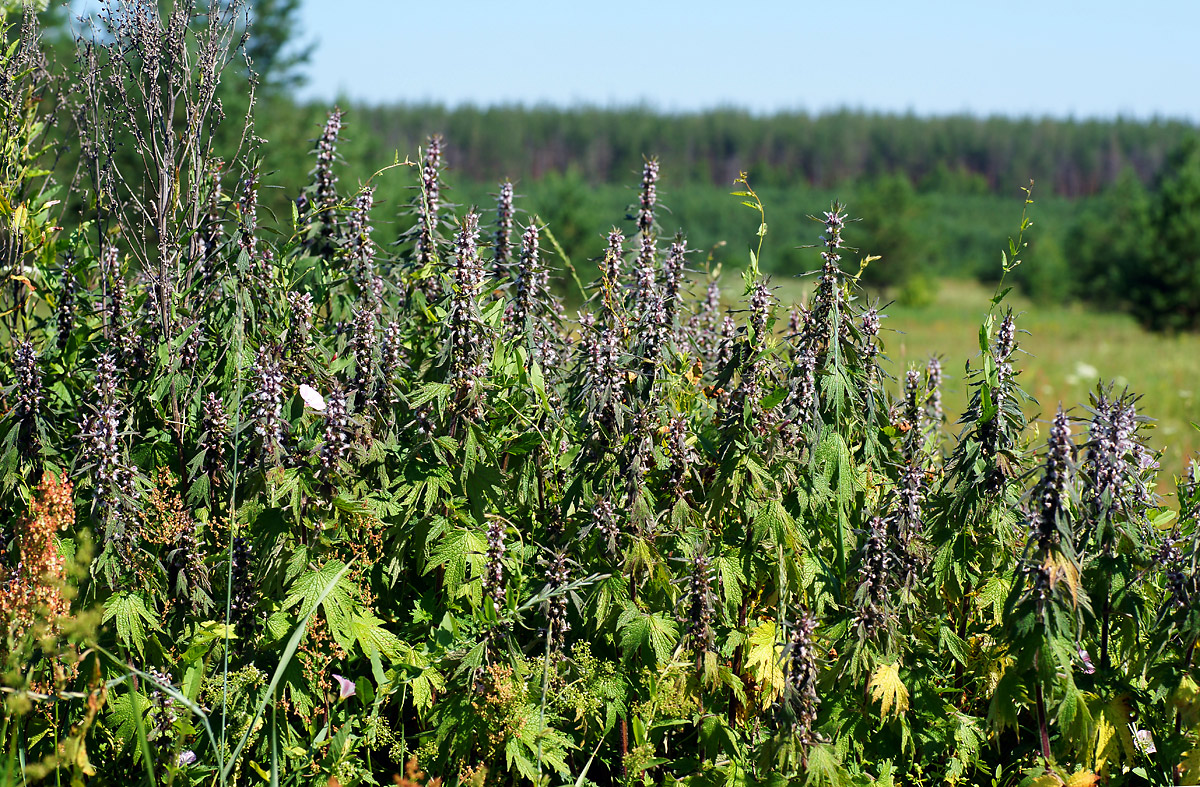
x=312, y=398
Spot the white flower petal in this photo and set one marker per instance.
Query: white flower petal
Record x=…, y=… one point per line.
x=312, y=398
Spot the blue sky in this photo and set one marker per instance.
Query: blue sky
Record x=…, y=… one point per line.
x=1081, y=59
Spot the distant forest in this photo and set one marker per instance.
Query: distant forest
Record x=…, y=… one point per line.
x=1069, y=158
x=939, y=195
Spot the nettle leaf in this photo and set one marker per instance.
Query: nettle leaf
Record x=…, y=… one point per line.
x=1115, y=746
x=824, y=768
x=957, y=646
x=774, y=520
x=764, y=661
x=729, y=580
x=339, y=604
x=372, y=637
x=992, y=594
x=124, y=710
x=132, y=616
x=653, y=634
x=458, y=549
x=888, y=690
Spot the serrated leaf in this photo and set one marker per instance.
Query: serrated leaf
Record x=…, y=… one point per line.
x=654, y=634
x=338, y=604
x=949, y=640
x=372, y=637
x=888, y=690
x=764, y=659
x=132, y=617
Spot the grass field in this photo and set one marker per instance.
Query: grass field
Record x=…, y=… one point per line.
x=1069, y=349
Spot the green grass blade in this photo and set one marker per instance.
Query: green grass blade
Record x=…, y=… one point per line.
x=288, y=653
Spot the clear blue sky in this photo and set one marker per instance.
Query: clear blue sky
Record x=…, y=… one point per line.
x=1086, y=59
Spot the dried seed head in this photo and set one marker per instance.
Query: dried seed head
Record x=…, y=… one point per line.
x=337, y=430
x=493, y=572
x=649, y=196
x=266, y=399
x=323, y=177
x=429, y=200
x=504, y=226
x=1053, y=491
x=243, y=603
x=802, y=678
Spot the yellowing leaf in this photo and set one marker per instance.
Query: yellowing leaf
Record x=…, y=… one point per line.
x=1114, y=741
x=1082, y=778
x=1191, y=767
x=763, y=661
x=886, y=687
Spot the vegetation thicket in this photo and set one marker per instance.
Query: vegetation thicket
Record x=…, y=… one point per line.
x=284, y=502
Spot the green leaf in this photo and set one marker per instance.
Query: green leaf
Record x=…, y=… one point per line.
x=372, y=637
x=955, y=644
x=132, y=615
x=338, y=603
x=654, y=634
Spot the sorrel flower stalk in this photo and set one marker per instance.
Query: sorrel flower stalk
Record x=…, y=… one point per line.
x=35, y=591
x=502, y=253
